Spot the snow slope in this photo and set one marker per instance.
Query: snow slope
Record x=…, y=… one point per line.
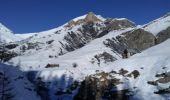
x=7, y=35
x=82, y=56
x=25, y=35
x=158, y=25
x=149, y=63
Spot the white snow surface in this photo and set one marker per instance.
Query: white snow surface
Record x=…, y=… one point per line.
x=84, y=16
x=148, y=63
x=6, y=35
x=25, y=35
x=158, y=25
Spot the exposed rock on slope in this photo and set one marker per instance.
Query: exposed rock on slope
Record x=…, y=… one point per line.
x=135, y=40
x=163, y=35
x=138, y=39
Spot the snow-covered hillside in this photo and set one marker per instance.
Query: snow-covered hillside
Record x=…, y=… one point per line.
x=7, y=35
x=149, y=63
x=82, y=56
x=49, y=46
x=158, y=25
x=25, y=35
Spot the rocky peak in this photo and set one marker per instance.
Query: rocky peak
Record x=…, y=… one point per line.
x=71, y=23
x=91, y=17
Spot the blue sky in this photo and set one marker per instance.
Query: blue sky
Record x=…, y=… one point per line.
x=23, y=16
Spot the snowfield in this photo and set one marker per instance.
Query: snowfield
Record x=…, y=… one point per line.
x=149, y=63
x=158, y=25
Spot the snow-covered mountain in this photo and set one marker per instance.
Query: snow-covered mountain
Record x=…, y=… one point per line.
x=6, y=35
x=82, y=59
x=79, y=32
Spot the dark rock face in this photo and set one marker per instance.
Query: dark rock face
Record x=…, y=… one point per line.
x=105, y=57
x=78, y=39
x=92, y=28
x=6, y=55
x=82, y=36
x=91, y=17
x=136, y=40
x=115, y=45
x=114, y=24
x=101, y=87
x=163, y=35
x=11, y=46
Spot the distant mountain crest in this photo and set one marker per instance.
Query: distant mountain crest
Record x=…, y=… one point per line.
x=6, y=35
x=90, y=17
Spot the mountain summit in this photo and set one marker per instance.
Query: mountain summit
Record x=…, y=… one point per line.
x=91, y=17
x=88, y=18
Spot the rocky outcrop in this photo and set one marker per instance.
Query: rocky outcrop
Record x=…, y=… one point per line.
x=163, y=35
x=135, y=40
x=103, y=85
x=91, y=17
x=115, y=24
x=93, y=88
x=71, y=23
x=138, y=39
x=162, y=83
x=82, y=36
